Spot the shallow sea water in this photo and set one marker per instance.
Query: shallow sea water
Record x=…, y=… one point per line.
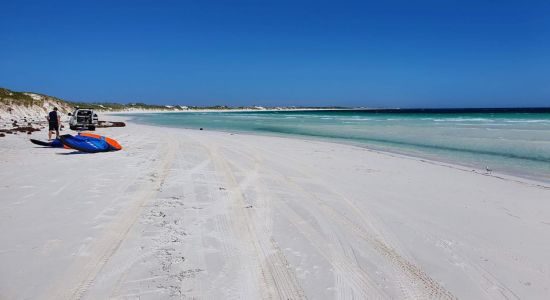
x=510, y=142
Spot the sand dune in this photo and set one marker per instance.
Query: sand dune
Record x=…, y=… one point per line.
x=199, y=214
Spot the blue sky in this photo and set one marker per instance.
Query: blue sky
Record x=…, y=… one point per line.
x=352, y=53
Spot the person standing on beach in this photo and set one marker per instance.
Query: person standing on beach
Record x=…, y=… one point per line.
x=53, y=123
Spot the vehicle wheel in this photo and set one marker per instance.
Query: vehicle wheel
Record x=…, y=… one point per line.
x=92, y=128
x=72, y=127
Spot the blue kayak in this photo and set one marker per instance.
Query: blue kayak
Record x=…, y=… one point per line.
x=86, y=143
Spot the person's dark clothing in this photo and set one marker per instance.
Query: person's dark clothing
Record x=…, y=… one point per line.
x=52, y=116
x=53, y=124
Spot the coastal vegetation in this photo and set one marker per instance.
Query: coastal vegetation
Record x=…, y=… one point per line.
x=10, y=98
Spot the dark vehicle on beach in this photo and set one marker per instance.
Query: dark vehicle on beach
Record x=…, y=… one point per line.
x=83, y=118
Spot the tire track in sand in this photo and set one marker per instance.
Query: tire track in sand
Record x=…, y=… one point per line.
x=416, y=277
x=83, y=271
x=357, y=283
x=276, y=278
x=352, y=280
x=413, y=282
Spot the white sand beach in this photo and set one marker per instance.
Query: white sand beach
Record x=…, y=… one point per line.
x=185, y=214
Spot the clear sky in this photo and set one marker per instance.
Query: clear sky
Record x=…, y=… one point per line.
x=439, y=53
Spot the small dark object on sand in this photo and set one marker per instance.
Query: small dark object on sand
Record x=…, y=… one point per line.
x=25, y=129
x=14, y=130
x=2, y=134
x=104, y=124
x=200, y=128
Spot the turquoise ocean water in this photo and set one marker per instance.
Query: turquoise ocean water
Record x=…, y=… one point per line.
x=507, y=141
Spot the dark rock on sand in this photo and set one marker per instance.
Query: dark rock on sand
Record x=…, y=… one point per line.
x=104, y=124
x=27, y=129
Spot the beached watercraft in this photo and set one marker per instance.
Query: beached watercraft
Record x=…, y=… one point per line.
x=53, y=143
x=91, y=143
x=113, y=143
